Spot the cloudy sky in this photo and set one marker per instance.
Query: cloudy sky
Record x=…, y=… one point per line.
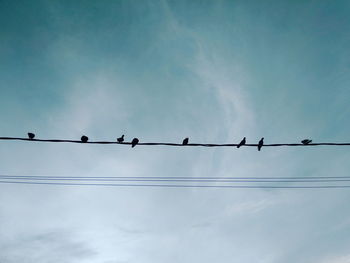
x=214, y=71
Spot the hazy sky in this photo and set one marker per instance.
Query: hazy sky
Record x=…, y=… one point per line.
x=214, y=71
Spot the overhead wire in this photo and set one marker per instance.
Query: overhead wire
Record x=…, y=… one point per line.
x=180, y=182
x=183, y=186
x=183, y=177
x=173, y=144
x=174, y=179
x=207, y=182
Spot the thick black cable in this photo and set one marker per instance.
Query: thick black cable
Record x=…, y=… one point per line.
x=173, y=144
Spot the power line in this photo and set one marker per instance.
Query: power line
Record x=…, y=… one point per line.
x=173, y=144
x=181, y=182
x=182, y=177
x=164, y=179
x=184, y=186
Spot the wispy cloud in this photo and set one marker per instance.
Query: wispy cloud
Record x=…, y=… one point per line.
x=52, y=246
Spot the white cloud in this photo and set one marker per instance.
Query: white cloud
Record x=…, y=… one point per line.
x=337, y=259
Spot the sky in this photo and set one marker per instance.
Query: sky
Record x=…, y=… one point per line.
x=213, y=71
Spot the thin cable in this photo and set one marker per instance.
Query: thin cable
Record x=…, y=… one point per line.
x=43, y=178
x=183, y=177
x=182, y=186
x=174, y=144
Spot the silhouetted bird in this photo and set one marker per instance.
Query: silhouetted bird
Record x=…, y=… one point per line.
x=31, y=135
x=134, y=142
x=261, y=143
x=185, y=141
x=306, y=141
x=84, y=138
x=241, y=143
x=121, y=139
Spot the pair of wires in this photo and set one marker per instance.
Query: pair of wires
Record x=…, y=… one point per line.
x=183, y=182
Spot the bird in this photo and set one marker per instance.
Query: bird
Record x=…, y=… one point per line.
x=84, y=139
x=261, y=143
x=241, y=143
x=31, y=135
x=121, y=139
x=134, y=142
x=185, y=141
x=306, y=141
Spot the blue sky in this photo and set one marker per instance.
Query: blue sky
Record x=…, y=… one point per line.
x=160, y=71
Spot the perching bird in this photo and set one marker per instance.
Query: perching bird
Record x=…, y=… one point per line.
x=261, y=143
x=121, y=139
x=185, y=141
x=134, y=142
x=31, y=135
x=241, y=143
x=84, y=138
x=306, y=141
